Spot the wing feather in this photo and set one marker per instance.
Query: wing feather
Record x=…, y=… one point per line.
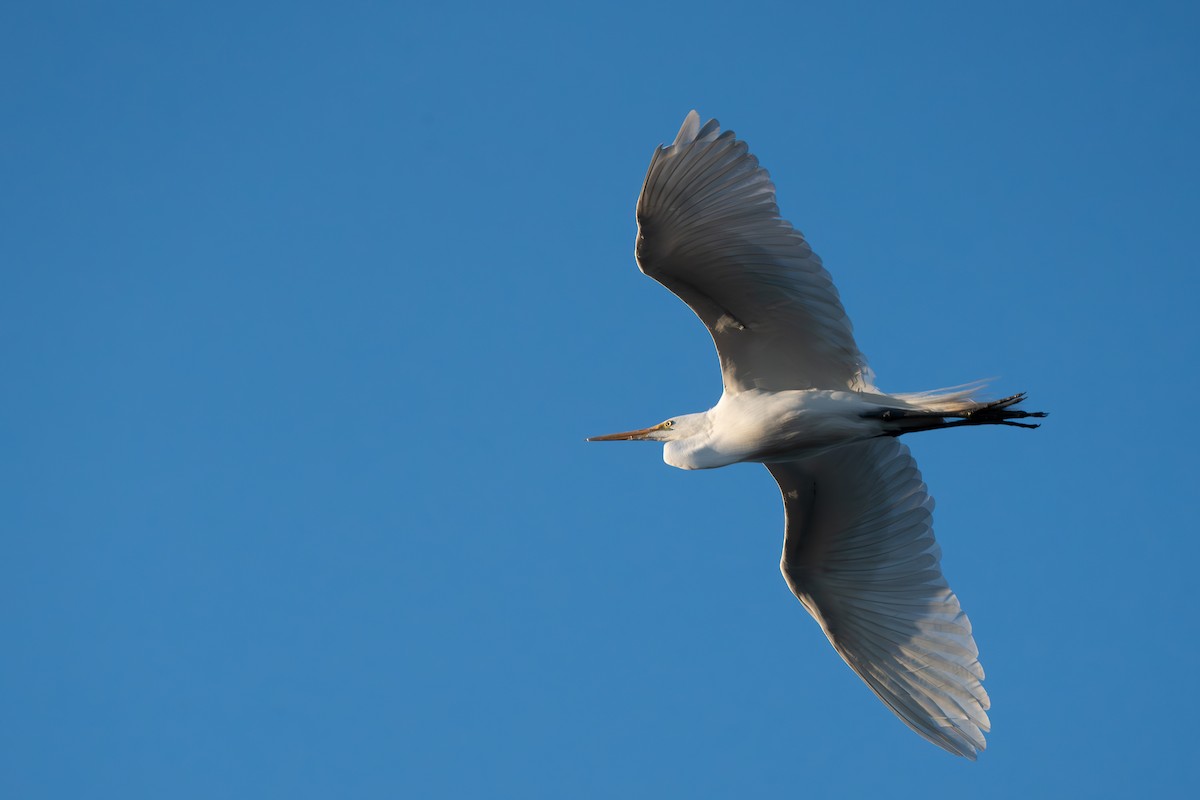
x=710, y=231
x=860, y=555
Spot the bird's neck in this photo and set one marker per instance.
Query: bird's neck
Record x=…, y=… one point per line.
x=698, y=450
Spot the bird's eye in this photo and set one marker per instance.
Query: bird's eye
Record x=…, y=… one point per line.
x=668, y=423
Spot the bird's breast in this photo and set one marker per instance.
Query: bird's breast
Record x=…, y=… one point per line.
x=689, y=454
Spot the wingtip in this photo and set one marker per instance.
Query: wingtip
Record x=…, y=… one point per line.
x=689, y=129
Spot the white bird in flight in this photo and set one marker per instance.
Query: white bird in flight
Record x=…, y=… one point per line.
x=798, y=397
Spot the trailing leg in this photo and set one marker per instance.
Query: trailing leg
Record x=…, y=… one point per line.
x=899, y=421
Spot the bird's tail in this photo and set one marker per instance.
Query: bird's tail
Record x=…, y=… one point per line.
x=933, y=410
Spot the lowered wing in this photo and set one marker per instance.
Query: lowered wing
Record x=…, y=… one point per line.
x=860, y=555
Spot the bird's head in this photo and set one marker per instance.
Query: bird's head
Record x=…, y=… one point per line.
x=673, y=429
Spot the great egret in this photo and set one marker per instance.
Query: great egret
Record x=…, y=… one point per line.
x=798, y=397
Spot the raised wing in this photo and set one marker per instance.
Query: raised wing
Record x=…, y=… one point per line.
x=860, y=554
x=709, y=230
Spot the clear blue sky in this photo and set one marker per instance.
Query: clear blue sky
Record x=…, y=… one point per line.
x=306, y=310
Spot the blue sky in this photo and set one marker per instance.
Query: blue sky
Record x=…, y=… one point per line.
x=305, y=312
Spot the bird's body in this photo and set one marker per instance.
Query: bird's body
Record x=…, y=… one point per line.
x=765, y=426
x=798, y=397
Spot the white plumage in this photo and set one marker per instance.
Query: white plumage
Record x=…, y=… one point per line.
x=798, y=397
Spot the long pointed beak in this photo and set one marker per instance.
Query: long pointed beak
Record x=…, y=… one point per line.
x=627, y=436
